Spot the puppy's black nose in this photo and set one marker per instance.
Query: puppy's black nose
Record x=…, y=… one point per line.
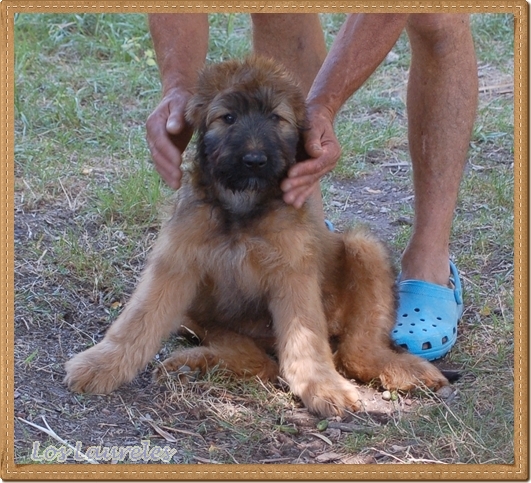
x=255, y=160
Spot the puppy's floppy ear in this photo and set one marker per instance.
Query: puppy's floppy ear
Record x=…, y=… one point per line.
x=212, y=80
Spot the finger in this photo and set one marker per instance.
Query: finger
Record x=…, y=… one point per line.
x=163, y=150
x=166, y=159
x=313, y=148
x=169, y=171
x=166, y=148
x=318, y=166
x=170, y=174
x=298, y=186
x=289, y=184
x=298, y=196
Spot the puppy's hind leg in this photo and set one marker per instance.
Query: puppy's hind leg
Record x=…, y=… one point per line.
x=365, y=350
x=235, y=353
x=156, y=306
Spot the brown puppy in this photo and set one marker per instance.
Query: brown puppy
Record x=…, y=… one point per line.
x=251, y=276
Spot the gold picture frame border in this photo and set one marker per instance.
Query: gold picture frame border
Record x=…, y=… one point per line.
x=517, y=471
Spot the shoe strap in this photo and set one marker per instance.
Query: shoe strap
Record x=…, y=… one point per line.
x=454, y=279
x=458, y=290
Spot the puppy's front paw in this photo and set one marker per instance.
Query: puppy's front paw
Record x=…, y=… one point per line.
x=98, y=370
x=331, y=397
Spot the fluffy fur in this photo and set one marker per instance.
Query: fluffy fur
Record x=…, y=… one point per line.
x=265, y=287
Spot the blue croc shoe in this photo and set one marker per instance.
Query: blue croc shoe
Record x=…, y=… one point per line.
x=427, y=316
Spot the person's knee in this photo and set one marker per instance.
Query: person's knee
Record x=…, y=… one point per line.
x=264, y=20
x=439, y=32
x=289, y=22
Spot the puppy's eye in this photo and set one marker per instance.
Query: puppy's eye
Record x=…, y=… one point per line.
x=275, y=117
x=229, y=118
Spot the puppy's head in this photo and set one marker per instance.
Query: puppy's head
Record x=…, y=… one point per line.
x=249, y=116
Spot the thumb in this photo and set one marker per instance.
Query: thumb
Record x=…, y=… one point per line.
x=175, y=123
x=313, y=148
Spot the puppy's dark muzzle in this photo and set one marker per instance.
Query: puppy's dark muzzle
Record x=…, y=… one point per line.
x=255, y=160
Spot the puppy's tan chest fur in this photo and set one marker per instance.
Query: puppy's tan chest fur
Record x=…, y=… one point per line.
x=237, y=267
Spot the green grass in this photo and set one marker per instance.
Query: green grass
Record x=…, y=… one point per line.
x=85, y=85
x=493, y=37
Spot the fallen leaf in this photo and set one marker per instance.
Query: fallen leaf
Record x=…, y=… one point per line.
x=288, y=429
x=485, y=311
x=167, y=436
x=322, y=425
x=326, y=457
x=323, y=437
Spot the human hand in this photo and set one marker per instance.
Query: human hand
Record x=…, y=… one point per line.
x=324, y=150
x=168, y=134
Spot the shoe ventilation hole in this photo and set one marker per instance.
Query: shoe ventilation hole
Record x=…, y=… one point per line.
x=426, y=346
x=423, y=320
x=404, y=315
x=438, y=318
x=404, y=346
x=444, y=340
x=417, y=310
x=412, y=324
x=454, y=330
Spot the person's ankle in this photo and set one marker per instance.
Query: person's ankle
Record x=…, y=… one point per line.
x=429, y=268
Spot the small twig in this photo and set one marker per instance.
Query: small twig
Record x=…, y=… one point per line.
x=128, y=411
x=398, y=164
x=29, y=187
x=79, y=331
x=182, y=431
x=42, y=256
x=274, y=460
x=351, y=428
x=204, y=460
x=345, y=206
x=501, y=307
x=50, y=432
x=232, y=457
x=384, y=453
x=67, y=196
x=501, y=88
x=263, y=385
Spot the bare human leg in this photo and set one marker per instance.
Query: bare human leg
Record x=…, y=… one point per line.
x=441, y=102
